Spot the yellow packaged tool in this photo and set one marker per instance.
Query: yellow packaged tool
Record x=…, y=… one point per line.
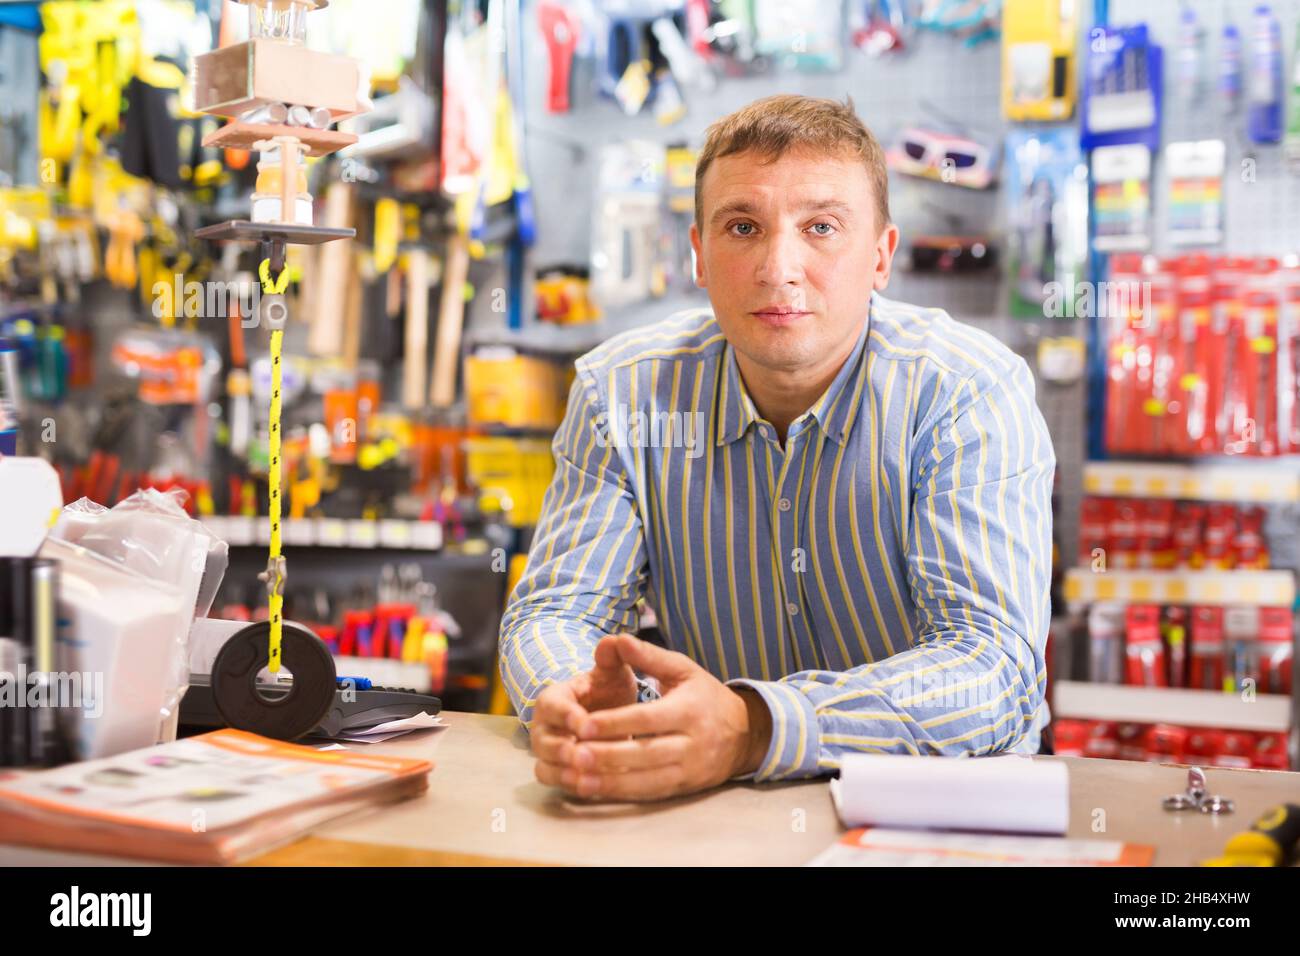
x=1038, y=42
x=505, y=387
x=511, y=474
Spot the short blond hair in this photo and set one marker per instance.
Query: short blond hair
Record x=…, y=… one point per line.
x=776, y=125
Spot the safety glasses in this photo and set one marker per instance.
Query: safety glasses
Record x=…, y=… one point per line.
x=952, y=159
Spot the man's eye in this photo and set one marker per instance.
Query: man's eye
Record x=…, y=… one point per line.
x=823, y=228
x=743, y=228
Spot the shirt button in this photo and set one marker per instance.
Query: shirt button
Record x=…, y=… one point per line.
x=783, y=504
x=764, y=431
x=792, y=609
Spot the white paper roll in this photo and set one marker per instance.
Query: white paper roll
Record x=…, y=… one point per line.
x=1009, y=794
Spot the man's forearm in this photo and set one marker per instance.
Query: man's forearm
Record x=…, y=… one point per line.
x=950, y=695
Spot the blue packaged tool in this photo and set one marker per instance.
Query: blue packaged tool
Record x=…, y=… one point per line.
x=1191, y=57
x=1230, y=69
x=1046, y=188
x=1264, y=92
x=1123, y=89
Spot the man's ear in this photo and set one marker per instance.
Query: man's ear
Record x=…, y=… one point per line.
x=886, y=246
x=698, y=259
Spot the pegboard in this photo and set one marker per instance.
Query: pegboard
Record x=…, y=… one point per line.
x=1261, y=198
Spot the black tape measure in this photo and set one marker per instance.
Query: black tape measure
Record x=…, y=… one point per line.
x=287, y=716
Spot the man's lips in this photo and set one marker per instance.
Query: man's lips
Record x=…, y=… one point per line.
x=779, y=314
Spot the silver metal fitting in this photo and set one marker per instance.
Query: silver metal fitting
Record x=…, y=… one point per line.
x=273, y=311
x=268, y=113
x=274, y=575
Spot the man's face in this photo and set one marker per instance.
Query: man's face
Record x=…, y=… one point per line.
x=790, y=252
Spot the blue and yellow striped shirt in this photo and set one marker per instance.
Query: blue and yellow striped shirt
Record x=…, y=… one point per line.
x=882, y=580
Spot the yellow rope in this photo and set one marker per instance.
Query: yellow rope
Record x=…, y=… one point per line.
x=275, y=597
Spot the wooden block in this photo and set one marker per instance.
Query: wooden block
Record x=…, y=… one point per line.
x=236, y=78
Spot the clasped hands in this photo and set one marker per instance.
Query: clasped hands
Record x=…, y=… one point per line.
x=593, y=740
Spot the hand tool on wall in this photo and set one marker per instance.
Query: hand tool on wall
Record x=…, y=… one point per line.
x=451, y=319
x=560, y=29
x=325, y=338
x=416, y=343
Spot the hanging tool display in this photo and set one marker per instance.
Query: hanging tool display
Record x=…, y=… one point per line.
x=259, y=84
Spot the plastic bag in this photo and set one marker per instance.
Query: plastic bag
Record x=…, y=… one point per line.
x=150, y=534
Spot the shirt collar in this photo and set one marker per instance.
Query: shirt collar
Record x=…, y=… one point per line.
x=834, y=412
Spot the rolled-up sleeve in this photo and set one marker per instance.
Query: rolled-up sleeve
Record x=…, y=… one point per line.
x=978, y=557
x=587, y=564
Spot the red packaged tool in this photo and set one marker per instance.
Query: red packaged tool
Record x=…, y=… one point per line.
x=1189, y=409
x=1236, y=749
x=1215, y=353
x=1153, y=342
x=1189, y=517
x=1165, y=743
x=1131, y=741
x=1270, y=752
x=1173, y=628
x=1250, y=550
x=1094, y=529
x=1123, y=410
x=1069, y=737
x=1125, y=527
x=1203, y=745
x=1103, y=740
x=356, y=625
x=1134, y=350
x=1235, y=406
x=1276, y=650
x=1259, y=382
x=1144, y=655
x=1160, y=402
x=380, y=630
x=1118, y=351
x=1155, y=533
x=1220, y=530
x=1207, y=649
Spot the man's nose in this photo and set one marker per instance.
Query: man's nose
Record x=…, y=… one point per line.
x=779, y=262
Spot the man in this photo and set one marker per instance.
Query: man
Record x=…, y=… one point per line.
x=837, y=505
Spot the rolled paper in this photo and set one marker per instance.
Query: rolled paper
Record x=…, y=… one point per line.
x=1008, y=793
